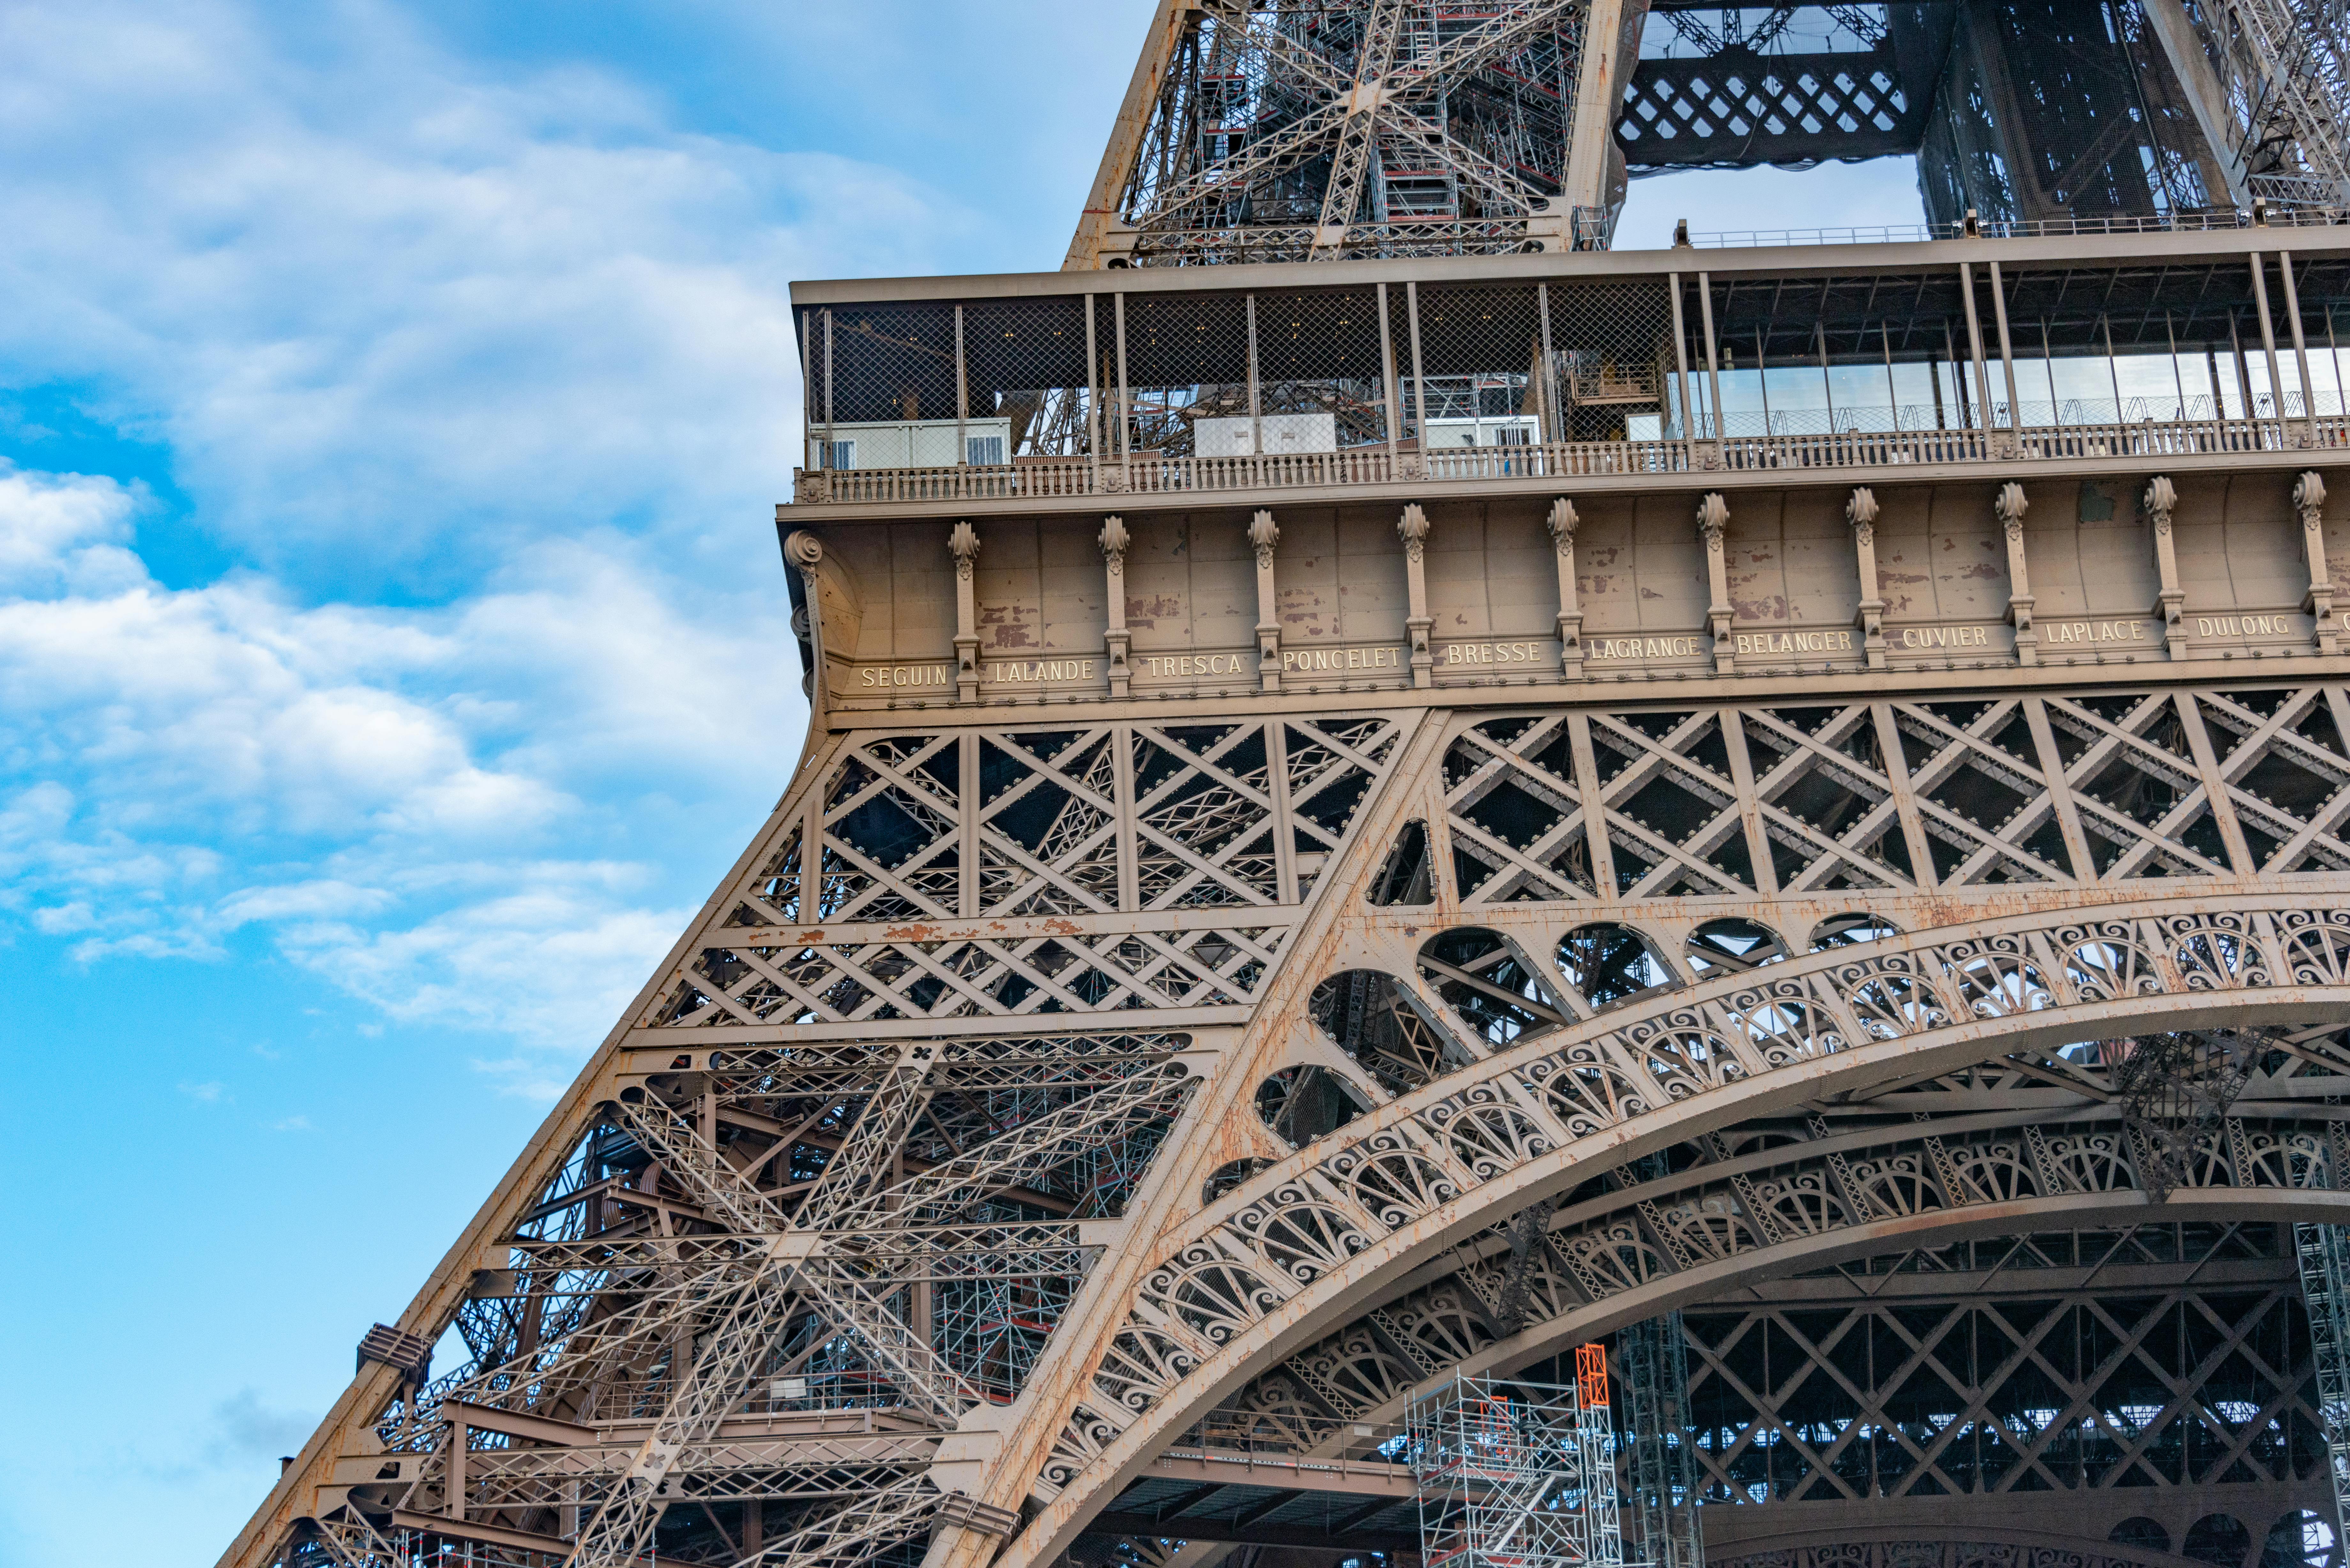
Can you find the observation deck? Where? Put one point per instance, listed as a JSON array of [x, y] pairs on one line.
[[2102, 347]]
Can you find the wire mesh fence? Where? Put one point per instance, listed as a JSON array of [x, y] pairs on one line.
[[1220, 390]]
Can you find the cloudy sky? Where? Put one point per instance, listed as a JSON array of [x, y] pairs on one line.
[[392, 638]]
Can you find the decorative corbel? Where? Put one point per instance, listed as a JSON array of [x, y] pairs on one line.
[[1868, 619], [804, 552], [2170, 603], [1570, 602], [1114, 540], [2010, 505], [1712, 518], [963, 544], [2309, 500], [1265, 533], [1412, 529]]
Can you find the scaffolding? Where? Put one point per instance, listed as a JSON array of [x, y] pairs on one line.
[[2324, 1251], [1517, 1475]]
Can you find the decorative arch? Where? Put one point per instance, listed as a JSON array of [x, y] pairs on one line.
[[1433, 1167]]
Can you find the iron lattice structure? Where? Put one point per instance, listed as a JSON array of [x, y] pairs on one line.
[[1517, 1475], [1268, 131], [2324, 1256], [1660, 1439], [1280, 131], [1324, 924]]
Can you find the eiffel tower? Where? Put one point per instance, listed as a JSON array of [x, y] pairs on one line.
[[1397, 805]]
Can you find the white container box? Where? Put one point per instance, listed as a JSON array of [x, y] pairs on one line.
[[1282, 433], [912, 444]]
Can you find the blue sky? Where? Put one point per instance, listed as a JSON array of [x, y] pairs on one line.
[[393, 647]]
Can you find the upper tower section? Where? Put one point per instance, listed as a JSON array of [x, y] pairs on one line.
[[1279, 131], [1299, 130]]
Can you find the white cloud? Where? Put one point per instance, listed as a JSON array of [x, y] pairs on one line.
[[488, 381], [392, 316], [396, 797]]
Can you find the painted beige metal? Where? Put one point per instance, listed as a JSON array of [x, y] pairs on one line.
[[1730, 607]]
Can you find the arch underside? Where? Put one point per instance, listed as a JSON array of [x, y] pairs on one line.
[[992, 1140], [1275, 1274]]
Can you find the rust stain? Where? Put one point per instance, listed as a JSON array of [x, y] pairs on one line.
[[1148, 612], [907, 933], [1010, 626]]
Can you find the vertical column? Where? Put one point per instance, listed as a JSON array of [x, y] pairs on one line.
[[1869, 618], [2309, 501], [808, 404], [1395, 393], [1713, 352], [1124, 393], [1418, 468], [1264, 535], [1094, 428], [1554, 424], [1256, 404], [2268, 341], [963, 544], [2300, 350], [2011, 506], [1712, 517], [1680, 358], [828, 387], [962, 395], [967, 806], [460, 1435], [1114, 540], [1975, 348], [2006, 355], [1129, 881], [2170, 602], [1412, 528], [1570, 602]]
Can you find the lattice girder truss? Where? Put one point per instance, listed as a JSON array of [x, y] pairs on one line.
[[1360, 128], [971, 1215]]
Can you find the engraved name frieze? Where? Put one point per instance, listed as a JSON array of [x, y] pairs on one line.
[[1497, 653], [1762, 643], [1316, 660], [2062, 632], [1193, 666], [1926, 638], [2248, 626], [1604, 648], [897, 675], [1040, 672]]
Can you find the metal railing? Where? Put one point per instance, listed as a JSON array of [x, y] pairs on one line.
[[1045, 479], [2001, 229]]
